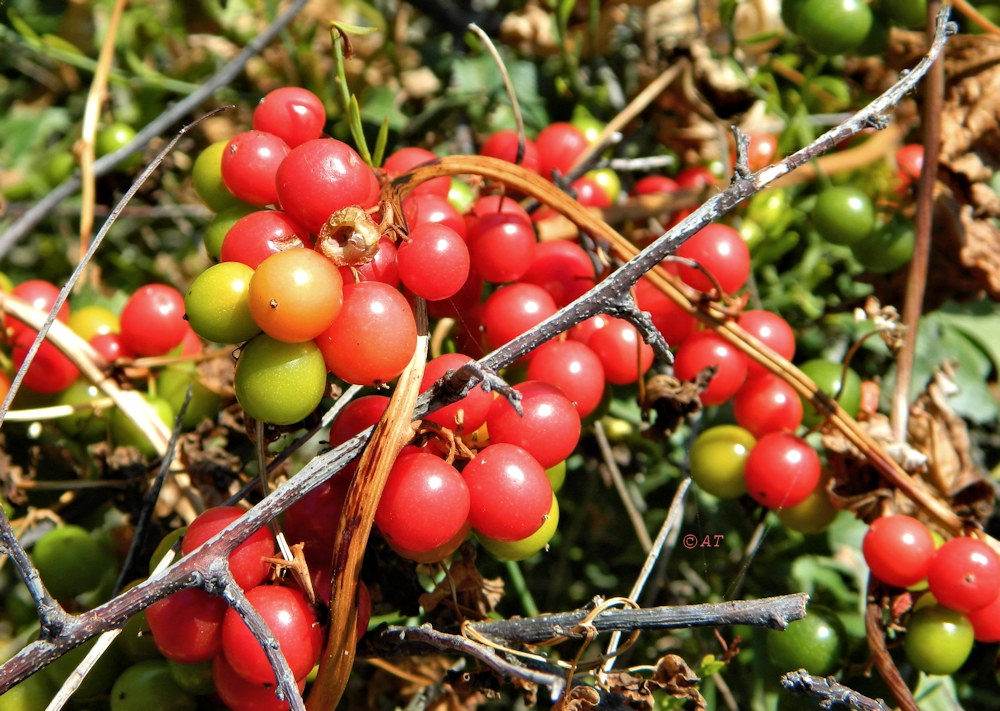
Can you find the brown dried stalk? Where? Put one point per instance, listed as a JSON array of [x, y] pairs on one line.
[[391, 434]]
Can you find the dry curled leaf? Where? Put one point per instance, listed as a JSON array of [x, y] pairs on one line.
[[673, 676], [433, 678], [672, 400], [463, 585], [580, 698], [936, 453], [970, 151], [943, 436]]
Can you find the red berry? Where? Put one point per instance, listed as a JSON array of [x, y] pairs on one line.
[[572, 367], [655, 185], [357, 416], [503, 145], [590, 193], [406, 158], [910, 162], [40, 294], [293, 114], [292, 623], [964, 574], [781, 470], [187, 626], [771, 330], [721, 252], [512, 310], [255, 237], [501, 246], [623, 353], [674, 323], [559, 145], [695, 177], [382, 267], [986, 622], [50, 371], [249, 165], [239, 694], [321, 176], [110, 346], [562, 268], [548, 428], [424, 504], [313, 519], [433, 261], [766, 403], [246, 562], [152, 321], [433, 208], [373, 338], [705, 349], [509, 492], [898, 550]]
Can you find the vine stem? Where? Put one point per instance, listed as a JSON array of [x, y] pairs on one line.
[[91, 115], [964, 7], [772, 612], [389, 436], [916, 282]]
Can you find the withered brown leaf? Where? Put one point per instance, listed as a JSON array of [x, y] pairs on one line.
[[672, 400], [672, 676], [937, 453], [475, 596], [580, 698]]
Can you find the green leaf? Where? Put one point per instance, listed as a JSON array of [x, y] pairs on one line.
[[380, 104], [937, 341], [936, 693], [727, 11], [380, 142], [813, 573], [357, 130], [709, 665], [26, 130], [57, 42], [563, 12], [349, 29], [979, 321], [476, 75], [23, 28]]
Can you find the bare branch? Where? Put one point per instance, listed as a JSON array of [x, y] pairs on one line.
[[427, 636], [772, 612], [286, 689], [51, 615], [831, 692]]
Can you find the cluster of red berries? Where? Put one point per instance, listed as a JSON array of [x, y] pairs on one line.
[[960, 581], [151, 323], [760, 455], [193, 627], [503, 488]]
